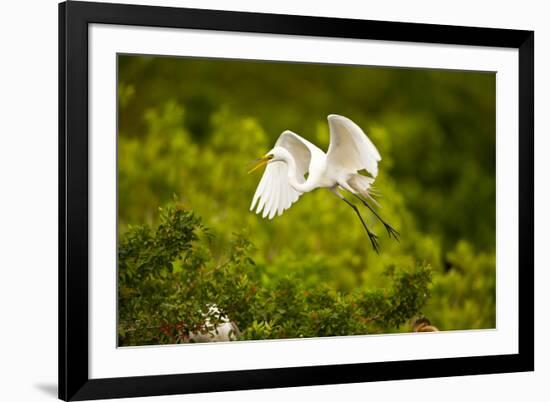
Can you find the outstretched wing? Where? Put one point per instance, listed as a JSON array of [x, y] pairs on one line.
[[350, 148], [274, 193]]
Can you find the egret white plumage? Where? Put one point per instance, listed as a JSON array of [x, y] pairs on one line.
[[350, 151], [225, 331]]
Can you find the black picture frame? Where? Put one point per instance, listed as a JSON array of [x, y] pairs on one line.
[[74, 18]]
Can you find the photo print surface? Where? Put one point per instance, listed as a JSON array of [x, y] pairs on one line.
[[272, 200]]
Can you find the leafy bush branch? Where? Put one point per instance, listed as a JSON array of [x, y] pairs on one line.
[[169, 279]]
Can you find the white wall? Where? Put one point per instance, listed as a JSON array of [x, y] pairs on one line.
[[28, 198]]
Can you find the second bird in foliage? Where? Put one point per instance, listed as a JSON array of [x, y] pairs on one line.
[[296, 166]]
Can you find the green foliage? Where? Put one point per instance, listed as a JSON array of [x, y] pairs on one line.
[[168, 280], [435, 129], [191, 127], [466, 293]]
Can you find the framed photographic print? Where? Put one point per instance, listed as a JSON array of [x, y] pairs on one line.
[[257, 200]]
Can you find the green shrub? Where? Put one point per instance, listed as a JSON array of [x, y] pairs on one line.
[[168, 280]]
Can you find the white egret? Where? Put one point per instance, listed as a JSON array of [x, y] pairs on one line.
[[293, 157], [225, 331]]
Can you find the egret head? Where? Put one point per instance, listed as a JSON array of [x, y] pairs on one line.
[[277, 154]]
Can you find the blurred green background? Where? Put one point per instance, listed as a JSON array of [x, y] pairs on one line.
[[191, 127]]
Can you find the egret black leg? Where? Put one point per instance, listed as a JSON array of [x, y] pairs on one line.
[[391, 231], [373, 238]]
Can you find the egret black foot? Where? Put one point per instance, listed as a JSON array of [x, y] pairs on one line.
[[392, 232], [374, 240]]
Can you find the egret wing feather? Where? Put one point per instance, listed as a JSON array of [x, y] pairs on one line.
[[300, 149], [350, 149], [274, 194]]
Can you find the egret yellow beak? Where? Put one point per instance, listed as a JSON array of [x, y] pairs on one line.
[[258, 163]]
